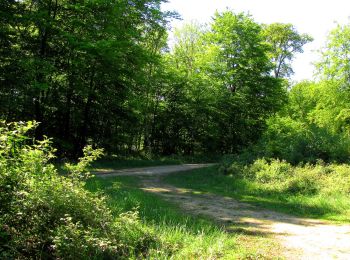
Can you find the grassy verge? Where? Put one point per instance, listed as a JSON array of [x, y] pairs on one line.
[[182, 236], [334, 208]]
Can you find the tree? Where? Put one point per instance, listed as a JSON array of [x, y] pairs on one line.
[[100, 72], [248, 94], [284, 42], [335, 56], [78, 67], [188, 46]]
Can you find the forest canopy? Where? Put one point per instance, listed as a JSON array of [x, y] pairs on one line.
[[101, 73]]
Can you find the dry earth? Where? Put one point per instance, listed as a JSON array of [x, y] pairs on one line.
[[300, 238]]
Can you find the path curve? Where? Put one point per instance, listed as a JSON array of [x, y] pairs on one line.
[[300, 237], [150, 171]]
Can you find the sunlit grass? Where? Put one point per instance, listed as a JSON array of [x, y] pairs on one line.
[[182, 236], [331, 207]]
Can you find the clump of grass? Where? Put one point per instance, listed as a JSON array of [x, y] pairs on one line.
[[181, 235]]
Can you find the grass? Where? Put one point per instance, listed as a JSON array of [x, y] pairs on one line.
[[183, 236], [335, 208]]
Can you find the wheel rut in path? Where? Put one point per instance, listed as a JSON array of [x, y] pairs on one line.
[[300, 238]]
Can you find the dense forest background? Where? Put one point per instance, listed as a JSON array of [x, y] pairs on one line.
[[102, 73]]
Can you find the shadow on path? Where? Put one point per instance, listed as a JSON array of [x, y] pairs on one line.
[[302, 238]]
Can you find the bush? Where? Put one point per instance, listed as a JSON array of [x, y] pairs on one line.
[[266, 172], [297, 141], [46, 215], [305, 180], [280, 176]]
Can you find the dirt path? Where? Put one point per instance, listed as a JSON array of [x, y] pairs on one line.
[[301, 238], [151, 171]]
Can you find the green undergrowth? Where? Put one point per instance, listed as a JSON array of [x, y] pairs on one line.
[[299, 195], [45, 215], [182, 236]]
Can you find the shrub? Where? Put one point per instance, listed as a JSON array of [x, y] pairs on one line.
[[46, 215], [305, 180], [265, 172], [297, 141], [280, 176]]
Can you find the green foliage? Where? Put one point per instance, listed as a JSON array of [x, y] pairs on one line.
[[314, 122], [45, 215], [90, 155], [317, 191], [334, 63], [312, 125], [285, 138], [219, 91], [304, 140], [284, 42], [100, 72], [247, 93], [280, 176], [80, 68]]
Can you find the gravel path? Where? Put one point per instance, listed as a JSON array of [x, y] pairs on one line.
[[301, 238]]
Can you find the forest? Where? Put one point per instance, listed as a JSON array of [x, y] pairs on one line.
[[88, 79]]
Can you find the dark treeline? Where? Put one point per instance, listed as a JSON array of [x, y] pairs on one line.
[[100, 72]]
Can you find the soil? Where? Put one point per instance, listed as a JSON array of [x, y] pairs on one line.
[[300, 238]]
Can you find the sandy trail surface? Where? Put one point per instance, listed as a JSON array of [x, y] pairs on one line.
[[300, 238]]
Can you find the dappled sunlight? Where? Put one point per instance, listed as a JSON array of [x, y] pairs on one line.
[[298, 236], [149, 171], [293, 233], [156, 190]]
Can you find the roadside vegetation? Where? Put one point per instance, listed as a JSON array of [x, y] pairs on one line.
[[300, 164], [47, 215], [182, 236], [314, 191]]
